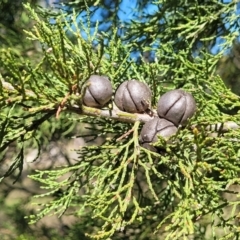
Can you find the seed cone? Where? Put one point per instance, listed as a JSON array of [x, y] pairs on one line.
[[133, 96], [154, 128], [176, 106], [99, 91]]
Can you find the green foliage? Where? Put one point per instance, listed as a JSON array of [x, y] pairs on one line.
[[117, 185]]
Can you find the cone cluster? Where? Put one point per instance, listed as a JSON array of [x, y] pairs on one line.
[[174, 108]]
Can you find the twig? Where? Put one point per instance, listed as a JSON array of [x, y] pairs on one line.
[[121, 116], [125, 135], [61, 105], [114, 114]]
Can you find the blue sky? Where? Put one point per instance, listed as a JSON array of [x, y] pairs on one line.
[[127, 12]]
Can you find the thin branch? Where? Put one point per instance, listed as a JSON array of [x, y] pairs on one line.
[[121, 116], [114, 114], [126, 134]]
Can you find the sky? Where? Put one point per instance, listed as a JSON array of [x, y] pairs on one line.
[[127, 12]]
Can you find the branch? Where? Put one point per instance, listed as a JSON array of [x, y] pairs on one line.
[[121, 116], [113, 113]]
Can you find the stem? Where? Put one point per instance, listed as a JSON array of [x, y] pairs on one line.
[[121, 116], [114, 114]]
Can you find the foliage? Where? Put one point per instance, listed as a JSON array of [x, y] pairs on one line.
[[231, 63], [117, 186]]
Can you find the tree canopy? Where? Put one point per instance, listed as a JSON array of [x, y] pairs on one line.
[[115, 186]]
